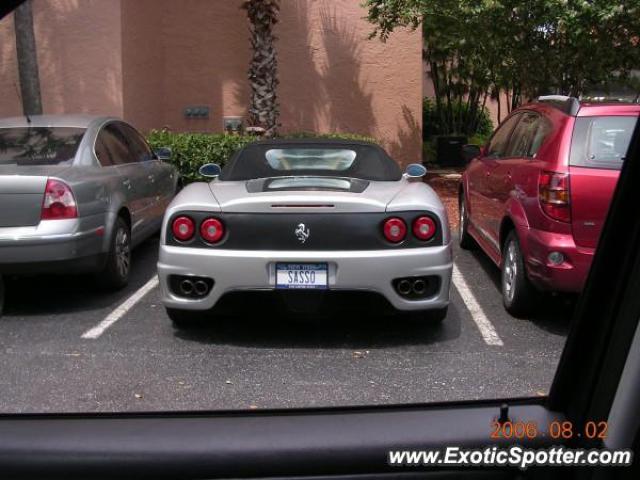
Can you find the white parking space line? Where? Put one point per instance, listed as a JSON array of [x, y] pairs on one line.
[[485, 326], [121, 311]]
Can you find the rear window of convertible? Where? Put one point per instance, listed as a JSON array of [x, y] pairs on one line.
[[367, 162]]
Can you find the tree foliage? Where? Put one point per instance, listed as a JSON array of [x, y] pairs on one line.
[[463, 120], [482, 48]]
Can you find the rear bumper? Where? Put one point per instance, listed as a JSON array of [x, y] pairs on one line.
[[369, 271], [54, 246], [570, 275]]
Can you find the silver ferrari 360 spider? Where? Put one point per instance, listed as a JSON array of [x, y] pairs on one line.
[[311, 218]]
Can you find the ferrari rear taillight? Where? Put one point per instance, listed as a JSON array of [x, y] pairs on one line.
[[58, 202], [183, 228], [553, 188], [424, 228], [211, 230], [394, 229]]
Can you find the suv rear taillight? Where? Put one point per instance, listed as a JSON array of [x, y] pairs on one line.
[[58, 202], [394, 229], [553, 192]]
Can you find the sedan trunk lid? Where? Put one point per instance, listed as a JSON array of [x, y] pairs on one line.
[[21, 194]]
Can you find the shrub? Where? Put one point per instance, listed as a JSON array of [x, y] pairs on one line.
[[336, 136], [458, 123], [192, 150]]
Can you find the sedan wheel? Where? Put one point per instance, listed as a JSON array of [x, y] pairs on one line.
[[116, 272], [518, 294], [123, 252]]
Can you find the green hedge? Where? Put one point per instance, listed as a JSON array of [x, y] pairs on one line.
[[191, 150], [433, 125]]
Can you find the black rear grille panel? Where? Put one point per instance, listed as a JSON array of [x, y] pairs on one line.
[[328, 231]]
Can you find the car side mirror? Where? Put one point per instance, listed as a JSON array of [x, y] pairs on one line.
[[211, 170], [163, 153], [471, 151], [415, 170]]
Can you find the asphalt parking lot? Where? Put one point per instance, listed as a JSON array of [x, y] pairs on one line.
[[66, 347]]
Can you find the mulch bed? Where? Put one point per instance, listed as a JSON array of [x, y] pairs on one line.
[[447, 188]]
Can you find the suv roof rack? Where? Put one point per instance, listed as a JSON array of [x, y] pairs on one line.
[[569, 105]]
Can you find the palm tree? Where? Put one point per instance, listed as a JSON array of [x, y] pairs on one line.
[[263, 70], [27, 60]]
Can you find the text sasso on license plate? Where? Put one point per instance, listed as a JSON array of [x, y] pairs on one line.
[[301, 275]]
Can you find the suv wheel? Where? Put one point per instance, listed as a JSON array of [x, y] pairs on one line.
[[518, 294], [116, 272], [465, 240]]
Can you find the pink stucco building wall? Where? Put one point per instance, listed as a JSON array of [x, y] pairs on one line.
[[146, 60]]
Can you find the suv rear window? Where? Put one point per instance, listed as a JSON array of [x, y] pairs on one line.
[[25, 146], [601, 142]]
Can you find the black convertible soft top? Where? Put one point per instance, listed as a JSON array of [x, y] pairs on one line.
[[311, 157]]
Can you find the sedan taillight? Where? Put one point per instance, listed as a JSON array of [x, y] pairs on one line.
[[394, 229], [424, 228], [211, 230], [58, 202], [183, 228], [553, 192]]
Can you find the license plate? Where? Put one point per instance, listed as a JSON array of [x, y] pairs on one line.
[[301, 275]]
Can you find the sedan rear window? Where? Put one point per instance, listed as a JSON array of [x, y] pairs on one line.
[[269, 159], [26, 146], [601, 142]]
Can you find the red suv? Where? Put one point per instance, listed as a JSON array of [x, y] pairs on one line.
[[536, 196]]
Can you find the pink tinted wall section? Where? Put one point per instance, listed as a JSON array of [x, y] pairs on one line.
[[206, 46], [147, 60], [78, 48], [334, 79], [9, 83], [143, 66]]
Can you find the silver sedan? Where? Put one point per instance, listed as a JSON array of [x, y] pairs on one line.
[[78, 193]]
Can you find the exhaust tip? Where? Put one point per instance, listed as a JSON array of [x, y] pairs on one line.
[[189, 286], [186, 287], [201, 287], [419, 287], [404, 287]]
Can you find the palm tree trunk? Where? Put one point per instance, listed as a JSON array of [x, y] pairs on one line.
[[27, 60], [263, 70]]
